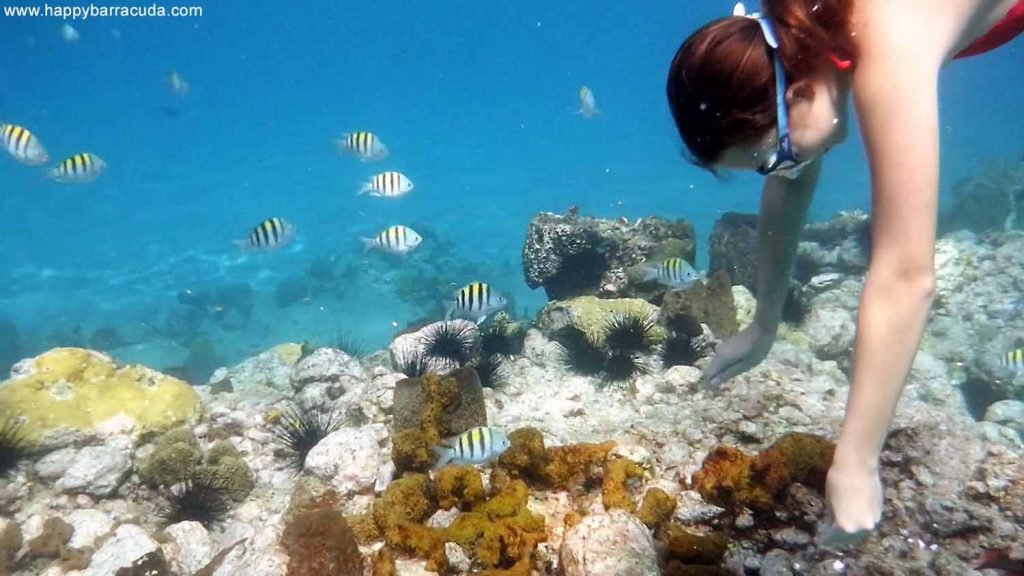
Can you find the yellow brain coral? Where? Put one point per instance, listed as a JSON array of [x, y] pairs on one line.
[[71, 389]]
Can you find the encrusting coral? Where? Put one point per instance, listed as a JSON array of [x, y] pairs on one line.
[[319, 540], [614, 489], [657, 508], [76, 389], [460, 487], [557, 467], [729, 477], [174, 459]]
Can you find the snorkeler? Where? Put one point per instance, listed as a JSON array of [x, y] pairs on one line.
[[769, 93]]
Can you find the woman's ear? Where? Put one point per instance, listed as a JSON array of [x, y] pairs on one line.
[[800, 92]]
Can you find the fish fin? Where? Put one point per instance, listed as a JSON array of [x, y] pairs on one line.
[[444, 456], [650, 273], [368, 244], [242, 245], [481, 320], [364, 187]]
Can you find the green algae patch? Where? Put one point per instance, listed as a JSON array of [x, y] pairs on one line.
[[72, 389], [592, 314]]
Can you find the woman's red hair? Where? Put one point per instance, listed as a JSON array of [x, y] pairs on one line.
[[721, 84]]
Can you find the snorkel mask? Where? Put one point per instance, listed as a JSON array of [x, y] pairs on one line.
[[783, 161]]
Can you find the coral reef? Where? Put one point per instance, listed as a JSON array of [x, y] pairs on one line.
[[990, 201], [711, 303], [71, 392], [319, 540], [731, 478], [13, 446], [174, 459], [574, 256], [199, 498]]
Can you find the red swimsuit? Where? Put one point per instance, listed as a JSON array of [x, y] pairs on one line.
[[1005, 30]]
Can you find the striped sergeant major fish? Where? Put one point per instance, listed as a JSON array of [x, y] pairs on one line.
[[477, 445], [23, 145], [475, 302], [79, 169], [363, 145], [674, 272], [387, 185], [395, 240], [1013, 360], [588, 106], [267, 235]]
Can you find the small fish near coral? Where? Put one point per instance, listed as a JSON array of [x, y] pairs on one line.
[[475, 302], [363, 145], [270, 234], [1013, 361], [395, 240], [23, 145], [673, 272], [78, 169], [477, 445]]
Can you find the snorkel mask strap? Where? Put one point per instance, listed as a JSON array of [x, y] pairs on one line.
[[780, 74]]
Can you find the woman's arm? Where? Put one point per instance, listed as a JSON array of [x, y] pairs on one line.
[[895, 91], [784, 204]]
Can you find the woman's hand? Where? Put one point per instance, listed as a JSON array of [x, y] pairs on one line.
[[737, 355], [854, 495]]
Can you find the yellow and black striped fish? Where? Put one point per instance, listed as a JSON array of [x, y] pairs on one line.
[[363, 145], [23, 145], [267, 235], [396, 240], [475, 302], [78, 169], [388, 185], [674, 272], [1013, 360], [474, 446]]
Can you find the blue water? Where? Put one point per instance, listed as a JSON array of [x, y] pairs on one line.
[[475, 102]]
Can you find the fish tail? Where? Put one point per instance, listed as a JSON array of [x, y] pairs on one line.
[[364, 188], [368, 244], [444, 456], [650, 273], [449, 309]]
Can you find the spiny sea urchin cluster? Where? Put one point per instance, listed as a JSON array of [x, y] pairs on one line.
[[451, 341], [201, 498], [298, 429], [616, 354]]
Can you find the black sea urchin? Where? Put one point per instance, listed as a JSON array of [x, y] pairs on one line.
[[298, 430], [580, 352], [630, 332], [451, 341], [503, 338], [412, 362], [201, 498], [350, 345], [13, 444], [677, 350], [623, 366], [488, 368]]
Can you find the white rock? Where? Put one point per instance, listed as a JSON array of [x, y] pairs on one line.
[[1009, 413], [128, 544], [189, 547], [683, 379], [443, 518], [384, 476], [326, 365], [349, 458], [55, 464], [118, 425], [98, 470], [457, 559], [89, 525], [606, 544], [745, 304]]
